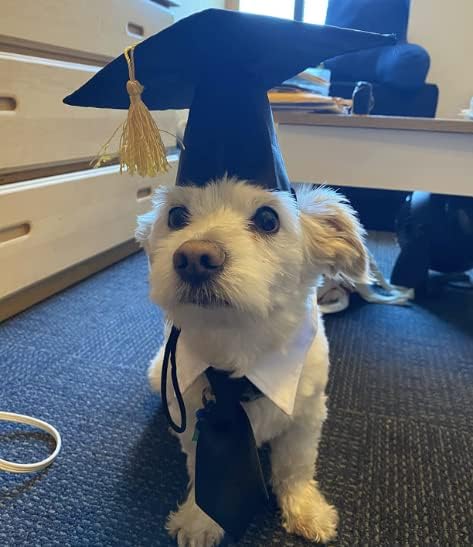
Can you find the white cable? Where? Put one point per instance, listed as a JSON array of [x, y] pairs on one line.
[[30, 467]]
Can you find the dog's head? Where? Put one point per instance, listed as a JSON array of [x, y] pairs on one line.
[[234, 248]]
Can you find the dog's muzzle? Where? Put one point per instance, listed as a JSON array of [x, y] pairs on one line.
[[198, 261]]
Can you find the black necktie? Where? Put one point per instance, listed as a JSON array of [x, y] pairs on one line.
[[229, 483]]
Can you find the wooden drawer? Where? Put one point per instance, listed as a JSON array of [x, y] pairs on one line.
[[50, 224], [36, 128], [96, 28]]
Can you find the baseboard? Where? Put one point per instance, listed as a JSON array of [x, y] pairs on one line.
[[25, 298]]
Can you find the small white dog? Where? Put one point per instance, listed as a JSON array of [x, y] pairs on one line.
[[259, 255]]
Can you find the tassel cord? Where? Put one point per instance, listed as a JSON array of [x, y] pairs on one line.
[[141, 149]]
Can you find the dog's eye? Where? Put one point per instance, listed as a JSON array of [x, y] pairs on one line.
[[178, 217], [266, 220]]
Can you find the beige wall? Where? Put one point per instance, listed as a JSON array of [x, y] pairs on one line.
[[190, 6], [445, 29]]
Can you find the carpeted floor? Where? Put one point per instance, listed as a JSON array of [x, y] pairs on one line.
[[396, 454]]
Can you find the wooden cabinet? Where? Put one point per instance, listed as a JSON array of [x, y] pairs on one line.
[[55, 211], [94, 29], [52, 223], [40, 130]]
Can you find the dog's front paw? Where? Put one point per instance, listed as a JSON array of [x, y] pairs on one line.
[[306, 513], [191, 527]]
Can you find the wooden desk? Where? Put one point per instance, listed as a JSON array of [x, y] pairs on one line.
[[378, 152]]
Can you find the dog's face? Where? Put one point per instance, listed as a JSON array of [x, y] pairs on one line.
[[234, 248]]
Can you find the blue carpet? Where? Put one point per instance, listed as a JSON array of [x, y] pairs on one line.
[[396, 453]]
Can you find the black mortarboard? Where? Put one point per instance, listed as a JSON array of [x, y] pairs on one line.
[[221, 64]]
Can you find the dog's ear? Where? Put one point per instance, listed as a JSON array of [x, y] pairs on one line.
[[334, 238], [146, 222], [143, 230]]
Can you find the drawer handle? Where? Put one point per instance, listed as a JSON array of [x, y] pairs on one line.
[[14, 232], [7, 104], [167, 3], [143, 193], [135, 30]]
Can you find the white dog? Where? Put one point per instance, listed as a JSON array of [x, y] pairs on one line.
[[264, 254]]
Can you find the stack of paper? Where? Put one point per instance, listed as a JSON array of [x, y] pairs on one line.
[[313, 80], [311, 102], [307, 91]]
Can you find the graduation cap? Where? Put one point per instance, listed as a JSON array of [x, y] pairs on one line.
[[220, 65]]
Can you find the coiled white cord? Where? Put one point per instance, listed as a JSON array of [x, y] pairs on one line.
[[30, 467]]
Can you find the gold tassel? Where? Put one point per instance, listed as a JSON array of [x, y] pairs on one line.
[[141, 148]]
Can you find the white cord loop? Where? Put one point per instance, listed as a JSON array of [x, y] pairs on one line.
[[30, 467]]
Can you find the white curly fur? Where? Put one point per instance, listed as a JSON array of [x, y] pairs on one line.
[[267, 280]]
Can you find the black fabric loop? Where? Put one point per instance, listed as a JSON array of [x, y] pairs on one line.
[[170, 352]]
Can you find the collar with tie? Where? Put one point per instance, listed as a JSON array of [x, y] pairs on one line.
[[229, 484]]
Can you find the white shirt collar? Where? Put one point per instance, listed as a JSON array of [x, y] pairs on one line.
[[276, 375]]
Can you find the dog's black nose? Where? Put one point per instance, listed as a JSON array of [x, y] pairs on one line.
[[197, 260]]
